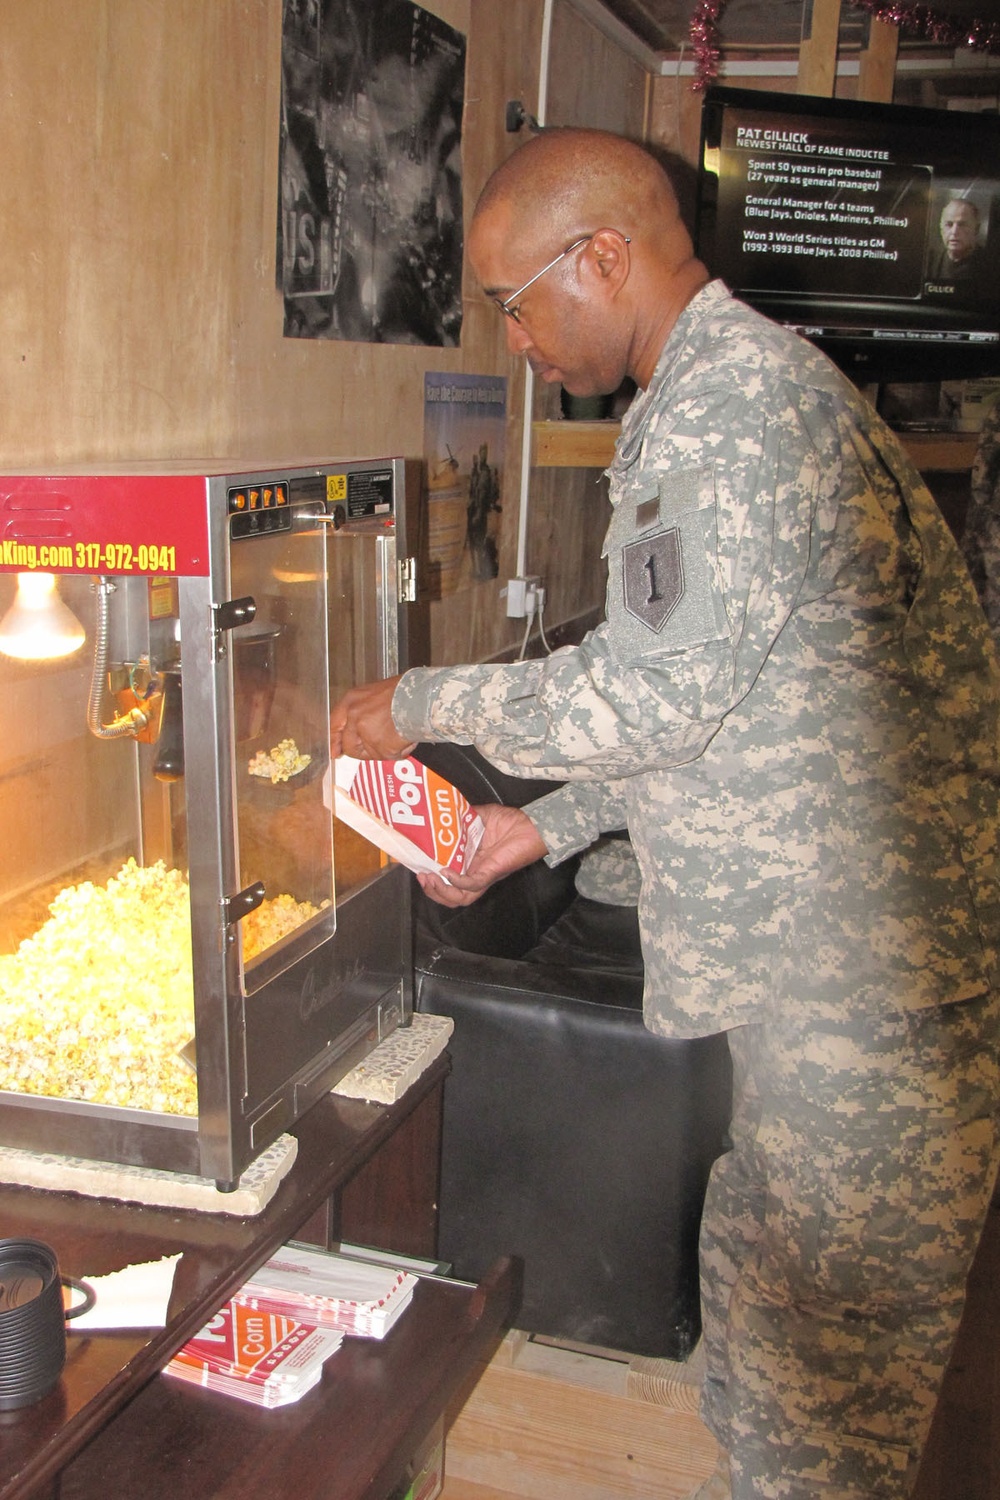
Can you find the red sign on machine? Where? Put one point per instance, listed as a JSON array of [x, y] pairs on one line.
[[118, 524]]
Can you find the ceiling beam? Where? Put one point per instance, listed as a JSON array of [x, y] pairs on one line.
[[877, 72], [818, 47], [616, 31]]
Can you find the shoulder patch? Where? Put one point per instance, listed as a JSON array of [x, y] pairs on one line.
[[662, 550], [653, 577]]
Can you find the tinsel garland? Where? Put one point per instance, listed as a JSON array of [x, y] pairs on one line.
[[923, 20], [706, 42], [947, 31]]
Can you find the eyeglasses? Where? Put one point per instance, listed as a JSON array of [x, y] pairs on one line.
[[509, 305]]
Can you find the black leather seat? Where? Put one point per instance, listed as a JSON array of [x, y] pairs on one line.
[[573, 1138]]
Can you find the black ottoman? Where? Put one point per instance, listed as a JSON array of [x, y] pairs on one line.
[[573, 1138]]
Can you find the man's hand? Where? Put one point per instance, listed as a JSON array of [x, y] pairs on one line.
[[361, 724], [510, 842]]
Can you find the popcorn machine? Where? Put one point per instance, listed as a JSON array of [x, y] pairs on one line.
[[191, 949]]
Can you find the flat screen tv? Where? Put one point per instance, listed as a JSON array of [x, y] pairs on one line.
[[871, 229]]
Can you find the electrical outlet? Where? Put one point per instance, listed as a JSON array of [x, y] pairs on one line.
[[522, 596]]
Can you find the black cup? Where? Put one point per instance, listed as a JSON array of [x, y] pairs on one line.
[[32, 1321]]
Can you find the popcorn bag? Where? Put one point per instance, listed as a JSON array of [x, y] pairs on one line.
[[409, 811]]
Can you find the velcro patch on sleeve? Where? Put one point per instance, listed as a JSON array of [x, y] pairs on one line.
[[663, 578]]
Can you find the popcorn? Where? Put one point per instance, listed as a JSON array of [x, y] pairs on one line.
[[96, 1004], [272, 921], [283, 761]]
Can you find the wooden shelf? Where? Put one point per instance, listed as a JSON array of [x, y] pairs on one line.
[[950, 451], [591, 445], [574, 445], [351, 1436], [384, 1395]]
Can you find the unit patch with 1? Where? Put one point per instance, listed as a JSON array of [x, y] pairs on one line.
[[663, 568]]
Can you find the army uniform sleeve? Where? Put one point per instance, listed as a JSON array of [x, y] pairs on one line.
[[574, 715], [572, 818], [981, 537], [707, 554]]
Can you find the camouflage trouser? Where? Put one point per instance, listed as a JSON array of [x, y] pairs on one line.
[[836, 1241]]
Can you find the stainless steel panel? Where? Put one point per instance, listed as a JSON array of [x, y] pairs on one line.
[[273, 1028]]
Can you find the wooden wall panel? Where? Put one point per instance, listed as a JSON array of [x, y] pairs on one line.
[[504, 50], [137, 291], [591, 81], [122, 254], [675, 118], [594, 84]]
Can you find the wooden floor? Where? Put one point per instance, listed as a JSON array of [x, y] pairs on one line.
[[549, 1423], [552, 1424]]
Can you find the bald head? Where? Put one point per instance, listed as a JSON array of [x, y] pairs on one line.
[[572, 181], [636, 270]]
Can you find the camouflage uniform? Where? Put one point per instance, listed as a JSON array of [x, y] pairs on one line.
[[981, 536], [793, 708], [608, 872]]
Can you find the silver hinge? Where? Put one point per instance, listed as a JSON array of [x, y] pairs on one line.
[[244, 902], [408, 580], [229, 616]]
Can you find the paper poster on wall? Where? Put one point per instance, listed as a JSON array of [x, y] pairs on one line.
[[464, 423], [369, 242]]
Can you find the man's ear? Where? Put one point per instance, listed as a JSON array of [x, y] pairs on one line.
[[610, 250]]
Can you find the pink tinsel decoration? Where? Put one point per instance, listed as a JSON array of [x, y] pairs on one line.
[[936, 25], [705, 41], [924, 20]]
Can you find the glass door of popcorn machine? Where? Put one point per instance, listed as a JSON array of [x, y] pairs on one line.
[[337, 609], [184, 966]]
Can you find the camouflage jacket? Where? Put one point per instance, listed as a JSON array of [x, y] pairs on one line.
[[792, 705], [981, 536]]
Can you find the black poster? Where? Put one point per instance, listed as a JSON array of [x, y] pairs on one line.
[[370, 173]]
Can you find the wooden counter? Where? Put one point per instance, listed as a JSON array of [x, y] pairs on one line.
[[366, 1167]]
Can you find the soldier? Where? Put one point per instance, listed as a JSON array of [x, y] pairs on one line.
[[793, 708], [981, 533]]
